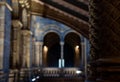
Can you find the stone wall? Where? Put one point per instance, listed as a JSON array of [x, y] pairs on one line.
[[7, 37]]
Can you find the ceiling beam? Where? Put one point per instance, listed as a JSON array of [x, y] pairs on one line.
[[49, 11]]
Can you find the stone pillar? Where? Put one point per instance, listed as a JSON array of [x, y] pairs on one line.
[[5, 31], [62, 53], [2, 25], [33, 51], [16, 29], [85, 56], [26, 36], [82, 52], [38, 54], [41, 54], [105, 41]]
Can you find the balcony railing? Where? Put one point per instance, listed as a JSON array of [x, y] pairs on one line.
[[25, 75], [60, 72]]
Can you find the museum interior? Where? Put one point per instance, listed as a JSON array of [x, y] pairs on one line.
[[59, 40]]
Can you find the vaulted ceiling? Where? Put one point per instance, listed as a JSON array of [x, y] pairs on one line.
[[73, 13]]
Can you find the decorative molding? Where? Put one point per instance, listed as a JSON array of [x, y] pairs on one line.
[[26, 32], [7, 5], [25, 3], [61, 43], [17, 23]]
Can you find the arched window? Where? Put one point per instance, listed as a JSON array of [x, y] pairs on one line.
[[51, 50], [72, 50]]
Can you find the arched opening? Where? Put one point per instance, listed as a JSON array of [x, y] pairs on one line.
[[51, 50], [72, 50]]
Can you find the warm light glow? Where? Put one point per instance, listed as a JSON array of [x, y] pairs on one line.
[[78, 72], [45, 48], [24, 3], [77, 46], [27, 4], [77, 49], [21, 1]]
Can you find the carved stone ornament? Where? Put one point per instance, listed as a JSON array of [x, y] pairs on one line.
[[16, 23], [24, 17]]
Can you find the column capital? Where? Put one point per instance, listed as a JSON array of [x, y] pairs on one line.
[[38, 43], [82, 43], [26, 32], [33, 38], [16, 24], [61, 43]]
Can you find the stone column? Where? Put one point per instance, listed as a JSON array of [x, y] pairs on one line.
[[26, 34], [2, 25], [62, 52], [85, 56], [41, 54], [82, 53], [16, 28], [33, 51], [5, 31], [38, 54]]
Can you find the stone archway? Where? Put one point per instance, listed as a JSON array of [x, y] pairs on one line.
[[72, 50], [51, 49]]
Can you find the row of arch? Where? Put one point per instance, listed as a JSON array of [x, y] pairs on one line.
[[52, 38], [61, 35], [72, 52], [55, 29]]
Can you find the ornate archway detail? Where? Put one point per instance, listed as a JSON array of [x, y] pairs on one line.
[[70, 31], [48, 31]]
